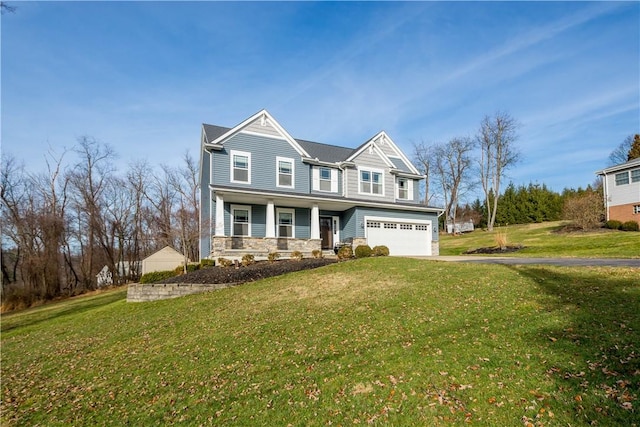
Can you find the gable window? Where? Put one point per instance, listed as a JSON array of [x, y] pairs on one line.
[[622, 178], [286, 222], [636, 209], [403, 188], [285, 172], [240, 167], [371, 182], [241, 219], [325, 179], [635, 175]]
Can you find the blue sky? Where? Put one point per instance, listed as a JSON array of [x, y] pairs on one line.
[[143, 76]]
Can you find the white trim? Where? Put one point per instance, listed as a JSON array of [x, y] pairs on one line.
[[262, 115], [345, 201], [293, 172], [395, 219], [232, 209], [315, 221], [373, 148], [270, 230], [293, 221], [371, 171], [219, 224], [247, 154], [409, 188], [336, 229]]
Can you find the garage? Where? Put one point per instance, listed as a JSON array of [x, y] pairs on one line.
[[402, 237]]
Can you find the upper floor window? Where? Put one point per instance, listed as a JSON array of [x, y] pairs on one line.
[[403, 188], [241, 218], [371, 182], [622, 178], [325, 179], [286, 222], [241, 167], [635, 175], [285, 172]]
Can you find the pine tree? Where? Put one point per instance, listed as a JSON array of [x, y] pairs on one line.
[[634, 151]]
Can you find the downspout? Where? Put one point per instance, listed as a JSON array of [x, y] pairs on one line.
[[606, 197]]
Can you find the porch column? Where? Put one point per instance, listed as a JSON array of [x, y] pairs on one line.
[[271, 220], [315, 222], [219, 230]]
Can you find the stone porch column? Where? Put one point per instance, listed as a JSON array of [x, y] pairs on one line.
[[219, 229], [315, 222], [271, 220]]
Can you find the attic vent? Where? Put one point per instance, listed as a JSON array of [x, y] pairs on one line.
[[263, 120]]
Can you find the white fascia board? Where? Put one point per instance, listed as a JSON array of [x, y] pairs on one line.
[[319, 199], [262, 113], [317, 162], [375, 148], [401, 173], [399, 152], [628, 165]]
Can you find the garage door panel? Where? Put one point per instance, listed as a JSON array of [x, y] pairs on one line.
[[400, 236]]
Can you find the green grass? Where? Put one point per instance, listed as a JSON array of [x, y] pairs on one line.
[[383, 341], [543, 240]]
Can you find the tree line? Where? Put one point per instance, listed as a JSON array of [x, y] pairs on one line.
[[61, 226]]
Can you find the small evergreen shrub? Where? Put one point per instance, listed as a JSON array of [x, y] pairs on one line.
[[630, 226], [317, 253], [380, 250], [363, 251], [156, 276], [273, 256], [204, 263], [248, 259], [296, 255], [345, 252], [223, 262], [613, 224]]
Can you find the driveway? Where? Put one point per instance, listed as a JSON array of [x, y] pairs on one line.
[[566, 262]]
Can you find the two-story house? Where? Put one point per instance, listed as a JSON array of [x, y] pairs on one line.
[[264, 191], [621, 184]]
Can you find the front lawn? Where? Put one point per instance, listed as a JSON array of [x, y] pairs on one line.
[[381, 340]]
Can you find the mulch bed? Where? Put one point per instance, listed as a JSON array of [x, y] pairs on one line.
[[495, 250], [250, 273]]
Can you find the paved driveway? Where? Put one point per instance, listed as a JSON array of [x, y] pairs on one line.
[[568, 262]]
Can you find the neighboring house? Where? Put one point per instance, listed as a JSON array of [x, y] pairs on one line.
[[264, 191], [621, 185], [165, 259]]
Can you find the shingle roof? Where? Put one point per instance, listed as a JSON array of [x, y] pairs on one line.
[[324, 152], [400, 164]]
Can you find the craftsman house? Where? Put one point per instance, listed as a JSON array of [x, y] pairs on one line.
[[621, 184], [263, 191]]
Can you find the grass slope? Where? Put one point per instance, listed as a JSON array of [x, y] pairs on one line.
[[543, 240], [396, 341]]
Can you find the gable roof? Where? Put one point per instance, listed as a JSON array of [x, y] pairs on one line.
[[216, 135], [628, 165]]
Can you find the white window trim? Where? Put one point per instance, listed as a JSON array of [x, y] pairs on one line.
[[333, 179], [233, 219], [409, 188], [293, 172], [631, 177], [371, 170], [233, 153], [615, 178], [293, 222]]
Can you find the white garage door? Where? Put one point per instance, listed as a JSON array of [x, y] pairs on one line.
[[402, 237]]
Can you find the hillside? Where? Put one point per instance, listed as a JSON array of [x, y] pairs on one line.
[[381, 340]]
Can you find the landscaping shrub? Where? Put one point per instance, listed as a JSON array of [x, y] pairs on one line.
[[273, 256], [630, 226], [317, 253], [296, 255], [156, 276], [248, 259], [204, 263], [613, 224], [363, 251], [223, 262], [380, 250], [345, 252]]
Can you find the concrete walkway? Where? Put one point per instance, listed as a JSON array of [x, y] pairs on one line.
[[567, 262]]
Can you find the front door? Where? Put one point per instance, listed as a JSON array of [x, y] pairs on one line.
[[326, 232]]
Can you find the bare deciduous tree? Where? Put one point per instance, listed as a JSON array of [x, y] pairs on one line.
[[423, 157], [496, 139]]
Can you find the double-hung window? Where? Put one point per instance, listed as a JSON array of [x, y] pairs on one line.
[[286, 222], [403, 188], [285, 172], [622, 178], [241, 220], [371, 182], [325, 179], [635, 175], [240, 167]]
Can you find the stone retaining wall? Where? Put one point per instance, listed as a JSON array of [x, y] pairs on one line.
[[156, 291]]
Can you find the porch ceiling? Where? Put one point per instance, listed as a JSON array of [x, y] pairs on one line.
[[284, 200]]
